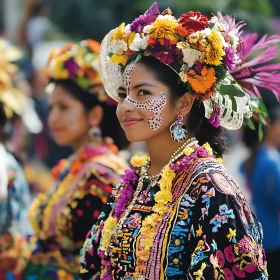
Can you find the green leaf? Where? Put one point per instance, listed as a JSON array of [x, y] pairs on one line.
[[262, 119], [251, 124], [233, 89], [260, 131], [138, 57], [234, 105]]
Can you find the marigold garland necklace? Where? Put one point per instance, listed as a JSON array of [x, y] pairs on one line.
[[153, 180]]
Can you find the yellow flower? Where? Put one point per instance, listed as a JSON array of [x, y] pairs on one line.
[[199, 273], [183, 76], [160, 209], [151, 220], [164, 27], [232, 234], [138, 161], [130, 38], [109, 225], [214, 50], [208, 148], [119, 58], [220, 160], [163, 197], [168, 173], [118, 34], [199, 231], [188, 151]]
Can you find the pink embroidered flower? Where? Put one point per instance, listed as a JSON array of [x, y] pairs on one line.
[[250, 268], [229, 254], [221, 258], [228, 274], [237, 271]]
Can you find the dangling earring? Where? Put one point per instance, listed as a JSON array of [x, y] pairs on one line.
[[178, 130], [95, 135]]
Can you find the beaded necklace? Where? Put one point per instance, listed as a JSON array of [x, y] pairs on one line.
[[113, 227]]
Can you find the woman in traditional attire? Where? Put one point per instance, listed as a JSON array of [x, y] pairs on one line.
[[81, 116], [14, 192], [177, 213]]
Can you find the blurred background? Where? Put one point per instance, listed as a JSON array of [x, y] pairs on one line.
[[36, 26]]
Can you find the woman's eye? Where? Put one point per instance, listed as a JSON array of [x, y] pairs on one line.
[[143, 92], [121, 95]]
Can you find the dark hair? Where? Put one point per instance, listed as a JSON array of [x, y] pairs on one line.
[[109, 125], [197, 124]]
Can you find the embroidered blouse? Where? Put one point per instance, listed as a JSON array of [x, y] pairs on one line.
[[14, 224], [62, 217], [208, 232]]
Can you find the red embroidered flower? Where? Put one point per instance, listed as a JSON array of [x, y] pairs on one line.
[[228, 274], [194, 21], [221, 258], [238, 271], [229, 254]]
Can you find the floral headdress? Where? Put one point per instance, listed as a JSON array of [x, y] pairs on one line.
[[12, 99], [78, 62], [208, 55]]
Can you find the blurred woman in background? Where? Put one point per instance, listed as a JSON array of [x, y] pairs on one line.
[[262, 171], [83, 117], [14, 193]]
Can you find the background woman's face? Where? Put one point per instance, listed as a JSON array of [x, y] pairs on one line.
[[144, 110], [67, 118]]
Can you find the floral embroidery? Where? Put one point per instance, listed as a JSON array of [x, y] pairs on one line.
[[222, 217]]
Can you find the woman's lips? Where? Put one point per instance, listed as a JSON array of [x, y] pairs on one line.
[[131, 121]]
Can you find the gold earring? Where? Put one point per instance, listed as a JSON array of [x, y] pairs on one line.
[[95, 135]]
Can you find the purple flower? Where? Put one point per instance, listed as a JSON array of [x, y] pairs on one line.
[[149, 16], [71, 67], [201, 152], [129, 177], [215, 118], [165, 53], [229, 59], [125, 197]]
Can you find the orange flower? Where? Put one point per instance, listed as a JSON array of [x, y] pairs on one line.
[[181, 30], [66, 48], [76, 166], [202, 83], [151, 42], [94, 45]]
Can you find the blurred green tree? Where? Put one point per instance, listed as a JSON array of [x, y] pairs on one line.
[[94, 18]]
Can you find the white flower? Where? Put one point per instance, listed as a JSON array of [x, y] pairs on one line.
[[220, 26], [139, 43], [118, 45], [205, 32], [234, 40], [214, 19], [191, 56], [225, 44], [147, 29], [164, 17], [127, 29]]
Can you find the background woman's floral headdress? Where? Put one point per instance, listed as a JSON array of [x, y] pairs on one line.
[[208, 55], [78, 62]]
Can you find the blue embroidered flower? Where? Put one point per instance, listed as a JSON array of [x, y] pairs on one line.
[[222, 217]]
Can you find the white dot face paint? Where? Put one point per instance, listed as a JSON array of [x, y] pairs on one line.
[[154, 106]]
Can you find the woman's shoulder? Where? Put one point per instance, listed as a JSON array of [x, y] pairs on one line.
[[208, 172]]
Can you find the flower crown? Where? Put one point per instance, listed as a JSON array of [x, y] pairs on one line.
[[207, 54], [78, 62]]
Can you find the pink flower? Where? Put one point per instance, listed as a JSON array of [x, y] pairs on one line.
[[250, 268], [221, 258], [229, 254], [237, 271], [228, 274]]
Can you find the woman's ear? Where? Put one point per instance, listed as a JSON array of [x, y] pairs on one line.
[[185, 103], [95, 116]]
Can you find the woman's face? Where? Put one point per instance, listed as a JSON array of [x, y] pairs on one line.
[[144, 110], [67, 118]]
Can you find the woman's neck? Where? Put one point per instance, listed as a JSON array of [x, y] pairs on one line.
[[160, 150]]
